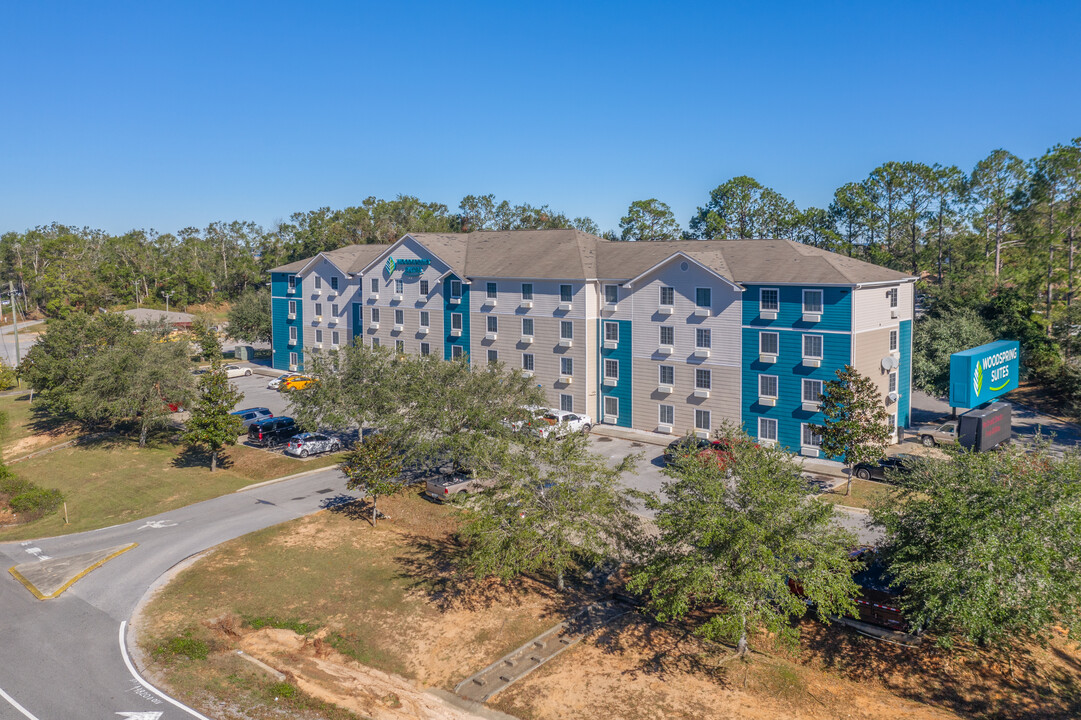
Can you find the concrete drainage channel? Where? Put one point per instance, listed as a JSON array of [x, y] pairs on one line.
[[516, 665]]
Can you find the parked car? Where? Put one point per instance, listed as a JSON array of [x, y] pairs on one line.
[[687, 444], [931, 435], [901, 462], [297, 382], [233, 371], [306, 444], [529, 411], [560, 424], [272, 431], [276, 383], [252, 415]]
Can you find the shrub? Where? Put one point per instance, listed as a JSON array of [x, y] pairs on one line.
[[183, 646], [36, 501], [282, 689]]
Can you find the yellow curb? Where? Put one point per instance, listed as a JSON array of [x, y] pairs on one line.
[[37, 593]]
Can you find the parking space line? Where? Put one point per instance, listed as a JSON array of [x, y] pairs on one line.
[[17, 706]]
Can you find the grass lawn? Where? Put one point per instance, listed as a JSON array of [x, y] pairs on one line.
[[865, 493], [27, 430], [114, 481]]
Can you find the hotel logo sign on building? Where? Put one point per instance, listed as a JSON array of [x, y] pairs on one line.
[[408, 266], [983, 373]]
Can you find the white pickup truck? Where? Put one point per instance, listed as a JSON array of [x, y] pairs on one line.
[[560, 424]]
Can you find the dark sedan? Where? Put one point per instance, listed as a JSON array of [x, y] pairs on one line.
[[877, 471], [687, 445]]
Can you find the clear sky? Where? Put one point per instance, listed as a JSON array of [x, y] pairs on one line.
[[168, 114]]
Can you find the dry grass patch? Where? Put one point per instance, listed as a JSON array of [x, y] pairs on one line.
[[865, 493]]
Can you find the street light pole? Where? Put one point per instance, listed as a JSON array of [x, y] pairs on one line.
[[167, 295], [14, 321], [136, 283]]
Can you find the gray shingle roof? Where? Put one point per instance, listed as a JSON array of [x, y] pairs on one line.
[[350, 259]]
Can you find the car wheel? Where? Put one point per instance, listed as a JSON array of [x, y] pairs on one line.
[[863, 474], [303, 453], [247, 372], [927, 441], [335, 447], [586, 428]]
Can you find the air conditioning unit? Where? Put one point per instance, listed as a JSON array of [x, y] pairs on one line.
[[422, 331], [767, 401], [701, 312], [527, 373], [317, 291], [701, 353], [292, 341], [700, 393], [665, 350], [373, 296], [812, 362], [291, 291], [665, 389], [399, 328], [490, 336], [768, 314], [611, 419], [456, 333], [292, 368], [610, 381], [526, 339], [373, 326], [453, 300], [666, 429], [611, 344], [490, 302], [332, 321], [810, 407], [768, 358], [812, 317], [526, 304], [704, 434], [893, 312], [566, 379], [291, 316], [397, 297], [610, 308], [665, 310], [565, 306], [317, 319], [808, 451], [566, 342]]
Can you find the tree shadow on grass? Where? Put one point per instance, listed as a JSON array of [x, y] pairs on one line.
[[348, 506], [190, 457]]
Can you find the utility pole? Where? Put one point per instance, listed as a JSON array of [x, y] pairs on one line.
[[14, 321], [136, 293], [167, 295]]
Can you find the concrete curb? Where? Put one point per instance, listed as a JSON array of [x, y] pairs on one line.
[[304, 473]]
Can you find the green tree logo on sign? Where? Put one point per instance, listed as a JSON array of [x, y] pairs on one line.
[[977, 379]]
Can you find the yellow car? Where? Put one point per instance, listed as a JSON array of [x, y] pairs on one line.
[[297, 382]]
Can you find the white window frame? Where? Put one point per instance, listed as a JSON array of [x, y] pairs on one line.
[[425, 319], [334, 310], [568, 296], [762, 301], [671, 329], [456, 321], [425, 349], [566, 366], [614, 289], [399, 346], [375, 342], [458, 284], [666, 414], [776, 382], [671, 371], [527, 291], [807, 383], [527, 327], [821, 301], [374, 285], [611, 369], [293, 335], [892, 295], [375, 315], [701, 374], [808, 437], [318, 335], [777, 338], [612, 399], [773, 429], [425, 288], [894, 340], [611, 332], [528, 362], [294, 359], [399, 317], [821, 346], [698, 414], [456, 351], [292, 307], [893, 382], [708, 290], [566, 402], [292, 280], [399, 286], [698, 333], [491, 323], [563, 329], [319, 309], [493, 356], [671, 291], [333, 282], [318, 282]]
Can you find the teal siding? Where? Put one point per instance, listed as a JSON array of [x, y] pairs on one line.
[[904, 375], [836, 308], [280, 322], [622, 354], [448, 308], [358, 321]]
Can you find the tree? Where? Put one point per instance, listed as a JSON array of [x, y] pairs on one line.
[[211, 424], [373, 466], [730, 545], [649, 221], [994, 186], [855, 429], [249, 317], [935, 338], [743, 208], [985, 545], [206, 338]]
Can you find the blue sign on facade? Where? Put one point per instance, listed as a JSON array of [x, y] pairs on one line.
[[984, 373]]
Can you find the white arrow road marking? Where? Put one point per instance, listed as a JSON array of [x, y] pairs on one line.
[[17, 706], [140, 715], [156, 524], [36, 552], [144, 683]]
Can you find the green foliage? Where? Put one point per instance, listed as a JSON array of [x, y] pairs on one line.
[[249, 317], [856, 428], [743, 208], [938, 336], [986, 545], [730, 541], [373, 466], [185, 645], [36, 501], [259, 622], [281, 689], [649, 221], [211, 425], [8, 377], [206, 338]]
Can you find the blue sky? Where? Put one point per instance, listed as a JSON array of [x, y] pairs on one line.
[[169, 114]]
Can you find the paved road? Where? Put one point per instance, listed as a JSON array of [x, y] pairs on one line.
[[62, 658]]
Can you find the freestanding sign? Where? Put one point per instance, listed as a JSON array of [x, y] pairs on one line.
[[983, 373]]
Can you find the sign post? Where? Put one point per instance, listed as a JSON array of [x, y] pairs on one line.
[[980, 375]]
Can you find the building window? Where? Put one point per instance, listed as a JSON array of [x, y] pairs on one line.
[[334, 337], [668, 374], [334, 282], [701, 420], [425, 349], [527, 291], [493, 323], [375, 315], [399, 317], [812, 301], [319, 310], [767, 386], [611, 294], [611, 369], [527, 327], [702, 338], [292, 358], [456, 289], [565, 293], [566, 330], [668, 335], [293, 286], [767, 429], [812, 346], [318, 282], [611, 406], [493, 356], [769, 299], [456, 352], [374, 285], [491, 290], [703, 297], [893, 340], [611, 331], [375, 342], [892, 295], [334, 310], [293, 334], [423, 287], [399, 286], [455, 321], [399, 346], [893, 382], [666, 414], [812, 391], [810, 437], [319, 336], [566, 402], [768, 343], [703, 379], [527, 361], [424, 317], [668, 296], [566, 366], [292, 307]]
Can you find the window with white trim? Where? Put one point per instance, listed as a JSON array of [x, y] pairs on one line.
[[399, 317], [767, 429], [293, 334], [319, 309], [702, 338], [425, 349], [293, 358], [891, 294], [333, 282], [456, 289], [375, 315], [456, 352], [566, 366], [424, 318], [493, 323], [374, 285], [667, 374], [318, 282], [566, 293], [611, 405], [702, 420], [812, 390], [399, 286], [566, 402], [455, 321], [703, 379], [424, 288], [293, 286], [527, 291], [812, 301], [493, 356], [292, 307], [334, 312], [611, 369], [399, 346], [491, 290], [767, 386], [611, 331], [527, 361], [893, 340], [611, 294], [666, 414], [668, 335], [566, 330], [318, 336], [375, 342], [810, 437], [527, 327], [812, 346], [769, 299], [703, 297], [893, 382], [668, 296], [768, 343]]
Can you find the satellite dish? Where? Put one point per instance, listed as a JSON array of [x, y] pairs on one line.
[[889, 362], [893, 396]]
